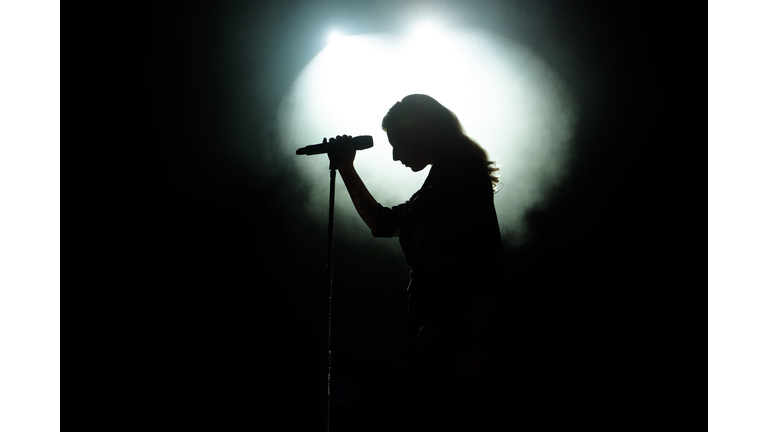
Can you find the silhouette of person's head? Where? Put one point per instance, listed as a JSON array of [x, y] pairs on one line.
[[422, 131], [417, 128]]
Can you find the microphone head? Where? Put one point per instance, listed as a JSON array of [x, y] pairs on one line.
[[362, 142]]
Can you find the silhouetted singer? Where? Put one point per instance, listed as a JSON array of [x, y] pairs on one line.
[[449, 233]]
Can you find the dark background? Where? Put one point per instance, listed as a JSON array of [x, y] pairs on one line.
[[228, 281]]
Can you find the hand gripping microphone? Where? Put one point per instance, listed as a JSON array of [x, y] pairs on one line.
[[361, 142]]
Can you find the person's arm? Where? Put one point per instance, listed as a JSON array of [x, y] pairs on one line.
[[366, 205], [343, 160]]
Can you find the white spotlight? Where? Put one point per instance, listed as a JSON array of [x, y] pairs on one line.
[[426, 31], [334, 36]]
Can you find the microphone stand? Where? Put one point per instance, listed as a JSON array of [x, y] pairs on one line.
[[357, 143], [329, 285]]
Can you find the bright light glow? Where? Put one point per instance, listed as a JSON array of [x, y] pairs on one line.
[[426, 32], [506, 98], [334, 36]]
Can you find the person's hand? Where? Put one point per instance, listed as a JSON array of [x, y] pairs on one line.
[[340, 158], [467, 363], [469, 356]]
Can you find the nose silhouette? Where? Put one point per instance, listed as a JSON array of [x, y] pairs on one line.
[[395, 155]]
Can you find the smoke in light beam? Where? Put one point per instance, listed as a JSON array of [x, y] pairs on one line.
[[507, 99]]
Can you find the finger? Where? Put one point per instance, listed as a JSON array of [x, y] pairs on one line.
[[325, 140]]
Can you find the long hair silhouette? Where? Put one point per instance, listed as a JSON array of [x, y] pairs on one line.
[[418, 112]]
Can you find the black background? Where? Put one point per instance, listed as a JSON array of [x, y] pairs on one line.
[[226, 282]]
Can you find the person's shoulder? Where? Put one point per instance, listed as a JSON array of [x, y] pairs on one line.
[[462, 174], [461, 165], [469, 170]]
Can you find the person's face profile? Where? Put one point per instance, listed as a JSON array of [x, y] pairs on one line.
[[406, 148]]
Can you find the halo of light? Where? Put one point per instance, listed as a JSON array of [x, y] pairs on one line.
[[507, 99], [425, 32], [334, 36]]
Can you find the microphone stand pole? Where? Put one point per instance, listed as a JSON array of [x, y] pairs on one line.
[[329, 285], [357, 143]]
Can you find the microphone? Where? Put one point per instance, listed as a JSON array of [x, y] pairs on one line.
[[361, 142]]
